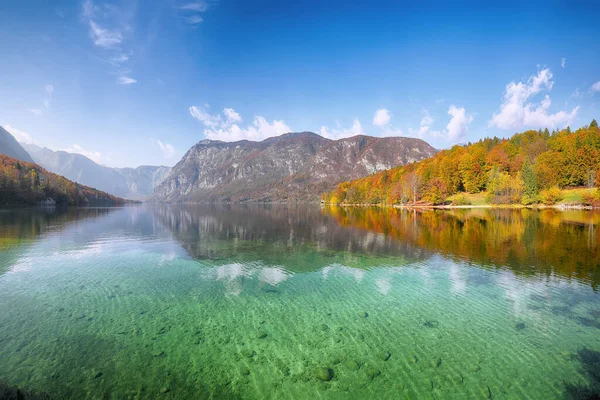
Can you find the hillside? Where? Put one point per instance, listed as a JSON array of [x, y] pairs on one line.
[[131, 183], [290, 167], [11, 148], [27, 183], [528, 168]]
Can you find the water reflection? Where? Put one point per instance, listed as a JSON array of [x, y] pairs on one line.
[[531, 243]]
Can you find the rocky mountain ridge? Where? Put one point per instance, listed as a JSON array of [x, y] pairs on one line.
[[290, 167]]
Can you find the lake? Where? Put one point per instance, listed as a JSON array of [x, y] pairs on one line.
[[300, 302]]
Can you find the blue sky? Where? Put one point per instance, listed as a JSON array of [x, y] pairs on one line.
[[139, 82]]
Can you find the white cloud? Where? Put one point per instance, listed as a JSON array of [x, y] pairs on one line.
[[424, 126], [49, 88], [199, 6], [105, 38], [20, 136], [36, 111], [195, 20], [232, 116], [119, 58], [259, 130], [563, 62], [92, 155], [458, 124], [202, 115], [227, 129], [595, 87], [167, 149], [382, 117], [125, 80], [192, 11], [88, 9], [339, 133], [517, 112]]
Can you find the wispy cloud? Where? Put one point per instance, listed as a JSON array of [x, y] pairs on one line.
[[595, 87], [20, 136], [167, 150], [92, 155], [339, 133], [192, 11], [517, 111], [563, 62], [107, 27], [226, 127], [105, 38], [36, 111], [125, 80], [424, 125]]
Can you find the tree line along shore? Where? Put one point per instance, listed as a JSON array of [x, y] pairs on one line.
[[531, 169]]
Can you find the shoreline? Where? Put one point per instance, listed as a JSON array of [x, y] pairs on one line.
[[561, 207]]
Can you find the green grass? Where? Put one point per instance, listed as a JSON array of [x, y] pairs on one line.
[[476, 199], [573, 195], [569, 196]]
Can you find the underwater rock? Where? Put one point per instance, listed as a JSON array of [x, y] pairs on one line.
[[364, 314], [486, 392], [163, 330], [244, 370], [431, 324], [384, 355], [324, 374], [248, 353], [158, 353], [98, 375], [520, 326], [436, 362], [372, 373], [413, 359], [261, 335], [164, 389], [352, 365], [324, 327], [475, 368]]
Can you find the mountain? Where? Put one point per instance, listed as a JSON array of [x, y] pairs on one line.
[[22, 183], [131, 183], [10, 147], [290, 167]]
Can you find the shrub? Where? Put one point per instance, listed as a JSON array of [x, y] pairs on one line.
[[591, 198], [551, 196], [528, 200], [461, 200]]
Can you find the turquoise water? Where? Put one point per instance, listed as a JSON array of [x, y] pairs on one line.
[[186, 302]]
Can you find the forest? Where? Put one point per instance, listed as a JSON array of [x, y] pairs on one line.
[[530, 168], [23, 183]]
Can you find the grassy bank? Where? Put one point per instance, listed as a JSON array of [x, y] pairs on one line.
[[570, 198]]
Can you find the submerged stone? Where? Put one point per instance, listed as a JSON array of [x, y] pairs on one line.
[[248, 353], [261, 335], [324, 374], [372, 373], [364, 314], [244, 370], [324, 327], [352, 365], [520, 326], [384, 355], [164, 389], [431, 324]]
